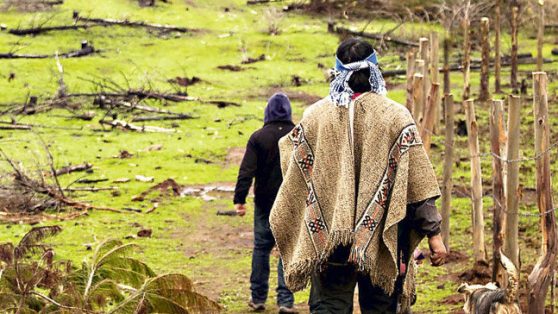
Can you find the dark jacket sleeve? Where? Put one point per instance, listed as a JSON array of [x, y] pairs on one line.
[[424, 217], [246, 173]]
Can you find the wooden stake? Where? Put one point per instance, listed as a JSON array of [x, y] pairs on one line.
[[447, 185], [514, 30], [553, 293], [425, 56], [466, 58], [484, 93], [541, 276], [417, 94], [410, 73], [540, 36], [479, 249], [497, 131], [511, 248], [497, 57], [434, 57], [447, 81], [418, 103], [434, 73], [427, 126]]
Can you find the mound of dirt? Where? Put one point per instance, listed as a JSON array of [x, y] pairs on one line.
[[480, 274], [456, 257]]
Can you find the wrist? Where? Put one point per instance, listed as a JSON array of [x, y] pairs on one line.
[[434, 235]]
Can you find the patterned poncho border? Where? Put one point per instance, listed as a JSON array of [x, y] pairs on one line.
[[366, 225]]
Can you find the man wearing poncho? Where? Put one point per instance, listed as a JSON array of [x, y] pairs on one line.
[[357, 195]]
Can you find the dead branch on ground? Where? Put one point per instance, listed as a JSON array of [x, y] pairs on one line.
[[128, 23], [75, 168], [89, 50], [162, 118], [120, 124], [87, 22], [24, 194]]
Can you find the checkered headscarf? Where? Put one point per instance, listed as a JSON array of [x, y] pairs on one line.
[[339, 90]]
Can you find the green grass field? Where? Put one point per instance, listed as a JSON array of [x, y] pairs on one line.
[[188, 237]]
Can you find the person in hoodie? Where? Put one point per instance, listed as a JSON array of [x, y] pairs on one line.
[[261, 161]]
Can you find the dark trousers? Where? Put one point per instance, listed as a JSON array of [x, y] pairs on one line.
[[259, 279], [333, 290]]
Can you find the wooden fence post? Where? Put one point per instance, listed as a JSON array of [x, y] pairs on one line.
[[434, 57], [484, 93], [540, 36], [447, 81], [410, 73], [425, 56], [479, 249], [497, 131], [497, 57], [514, 48], [511, 248], [418, 81], [542, 273], [466, 58], [427, 126], [418, 104], [447, 185], [434, 73]]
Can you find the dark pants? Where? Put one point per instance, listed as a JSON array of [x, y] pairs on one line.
[[259, 280], [333, 290]]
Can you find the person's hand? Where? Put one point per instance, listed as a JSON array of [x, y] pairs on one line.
[[438, 250], [240, 209]]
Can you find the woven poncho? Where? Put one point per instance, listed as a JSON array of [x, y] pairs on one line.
[[348, 190]]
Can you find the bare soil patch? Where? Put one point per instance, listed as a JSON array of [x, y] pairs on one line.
[[222, 242], [234, 156]]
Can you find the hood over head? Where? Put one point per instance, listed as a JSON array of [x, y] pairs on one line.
[[278, 108]]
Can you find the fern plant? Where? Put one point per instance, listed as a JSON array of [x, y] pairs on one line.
[[110, 281], [26, 267]]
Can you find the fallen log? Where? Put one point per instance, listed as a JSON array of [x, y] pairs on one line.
[[128, 23], [95, 22], [120, 124], [89, 50], [139, 94], [76, 168], [15, 127], [46, 29], [91, 189], [376, 36], [253, 2], [162, 118], [151, 95], [91, 181], [132, 107], [5, 125]]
